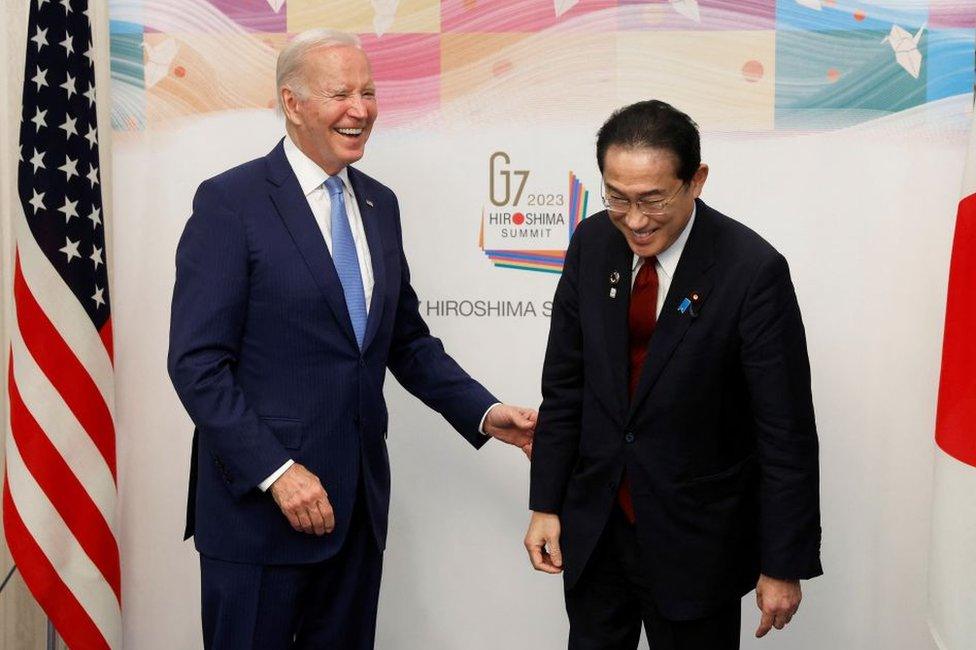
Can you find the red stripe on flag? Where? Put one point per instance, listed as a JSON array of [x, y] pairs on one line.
[[106, 335], [955, 423], [69, 617], [63, 489], [63, 369]]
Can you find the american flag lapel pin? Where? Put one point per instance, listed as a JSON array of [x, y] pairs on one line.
[[614, 280]]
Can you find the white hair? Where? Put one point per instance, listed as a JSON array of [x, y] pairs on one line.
[[289, 73]]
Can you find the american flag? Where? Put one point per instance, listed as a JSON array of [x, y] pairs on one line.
[[59, 493]]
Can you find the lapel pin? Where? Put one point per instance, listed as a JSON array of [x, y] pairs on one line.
[[613, 292], [369, 203], [690, 304], [614, 277]]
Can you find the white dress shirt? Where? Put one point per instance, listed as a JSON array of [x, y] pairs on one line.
[[311, 178], [667, 262]]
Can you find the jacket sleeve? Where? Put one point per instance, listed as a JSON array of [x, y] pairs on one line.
[[206, 323], [419, 362], [557, 435], [777, 373]]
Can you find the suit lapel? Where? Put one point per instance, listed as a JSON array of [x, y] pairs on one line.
[[619, 264], [293, 209], [691, 277], [371, 224]]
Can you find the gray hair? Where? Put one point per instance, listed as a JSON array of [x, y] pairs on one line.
[[288, 72]]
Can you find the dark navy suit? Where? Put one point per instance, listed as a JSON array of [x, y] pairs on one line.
[[719, 440], [264, 358]]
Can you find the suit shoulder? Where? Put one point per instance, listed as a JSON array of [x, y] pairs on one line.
[[243, 175], [595, 227], [738, 240]]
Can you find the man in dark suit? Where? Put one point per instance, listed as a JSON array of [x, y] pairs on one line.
[[292, 298], [675, 459]]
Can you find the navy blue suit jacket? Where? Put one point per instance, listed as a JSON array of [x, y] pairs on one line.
[[719, 440], [264, 358]]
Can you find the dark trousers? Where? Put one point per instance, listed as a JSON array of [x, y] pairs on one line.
[[325, 606], [612, 598]]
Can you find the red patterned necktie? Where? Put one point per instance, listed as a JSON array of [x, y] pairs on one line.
[[641, 319]]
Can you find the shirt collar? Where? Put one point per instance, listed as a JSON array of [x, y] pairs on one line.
[[310, 176], [667, 260]]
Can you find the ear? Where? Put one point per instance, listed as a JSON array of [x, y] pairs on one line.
[[698, 180], [290, 106]]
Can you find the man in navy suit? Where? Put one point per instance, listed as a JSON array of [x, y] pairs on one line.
[[292, 298], [675, 459]]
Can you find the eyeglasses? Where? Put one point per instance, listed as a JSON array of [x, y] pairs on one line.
[[653, 208]]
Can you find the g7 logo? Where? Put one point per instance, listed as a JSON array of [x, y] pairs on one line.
[[500, 175]]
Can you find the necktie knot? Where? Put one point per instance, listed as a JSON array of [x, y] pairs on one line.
[[334, 185]]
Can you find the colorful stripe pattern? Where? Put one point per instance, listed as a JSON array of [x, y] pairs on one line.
[[542, 260]]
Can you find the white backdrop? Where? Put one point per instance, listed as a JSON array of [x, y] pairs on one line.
[[865, 217]]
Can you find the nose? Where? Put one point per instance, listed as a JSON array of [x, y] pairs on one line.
[[357, 107], [634, 218]]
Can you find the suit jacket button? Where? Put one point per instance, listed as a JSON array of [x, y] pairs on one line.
[[629, 437]]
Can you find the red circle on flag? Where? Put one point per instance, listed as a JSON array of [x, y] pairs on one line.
[[518, 218]]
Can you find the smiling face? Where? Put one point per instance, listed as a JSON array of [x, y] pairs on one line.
[[648, 175], [331, 120]]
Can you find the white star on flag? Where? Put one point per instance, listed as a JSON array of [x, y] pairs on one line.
[[92, 136], [69, 126], [99, 300], [67, 6], [40, 38], [95, 217], [38, 119], [40, 78], [37, 160], [69, 209], [90, 95], [68, 45], [70, 167], [69, 85], [90, 53], [92, 175], [71, 249], [37, 201], [96, 256]]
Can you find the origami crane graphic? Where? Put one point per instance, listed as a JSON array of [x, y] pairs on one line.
[[384, 13], [276, 5], [159, 58], [562, 6], [811, 4], [688, 9], [905, 47]]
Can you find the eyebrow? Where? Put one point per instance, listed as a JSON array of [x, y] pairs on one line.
[[640, 196]]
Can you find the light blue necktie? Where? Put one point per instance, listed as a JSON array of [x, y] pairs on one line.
[[346, 260]]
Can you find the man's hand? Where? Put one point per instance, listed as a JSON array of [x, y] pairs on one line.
[[512, 424], [778, 601], [542, 543], [303, 500]]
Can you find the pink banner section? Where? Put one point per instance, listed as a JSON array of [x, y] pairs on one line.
[[515, 15], [955, 425]]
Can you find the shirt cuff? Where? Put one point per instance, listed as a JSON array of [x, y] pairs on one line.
[[481, 427], [266, 483]]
